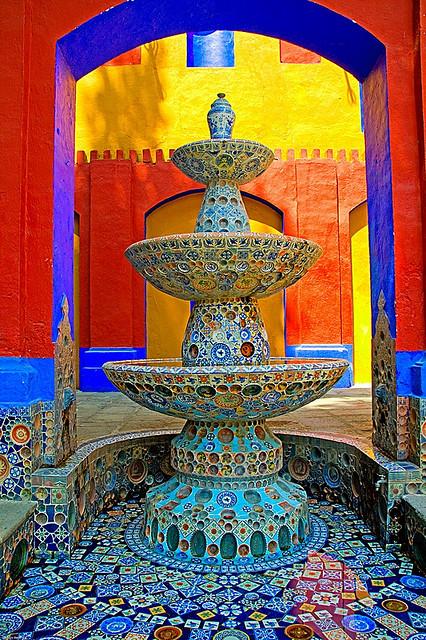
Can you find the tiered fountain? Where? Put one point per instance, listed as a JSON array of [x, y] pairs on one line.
[[226, 506]]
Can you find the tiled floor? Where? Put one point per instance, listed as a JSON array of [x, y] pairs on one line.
[[340, 411], [351, 589]]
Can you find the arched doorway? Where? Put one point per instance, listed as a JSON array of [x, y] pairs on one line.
[[166, 317], [309, 25]]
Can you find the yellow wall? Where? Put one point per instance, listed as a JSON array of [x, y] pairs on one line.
[[162, 104], [76, 276], [361, 293], [167, 316]]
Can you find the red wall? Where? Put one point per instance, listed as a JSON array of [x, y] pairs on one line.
[[113, 195], [30, 31]]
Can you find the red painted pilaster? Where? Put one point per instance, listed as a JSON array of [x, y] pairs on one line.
[[111, 232], [319, 290]]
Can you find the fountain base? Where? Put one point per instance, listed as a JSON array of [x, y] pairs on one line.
[[244, 521], [160, 554]]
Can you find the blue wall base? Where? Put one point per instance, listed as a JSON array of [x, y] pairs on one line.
[[26, 380], [411, 373], [92, 377], [344, 351]]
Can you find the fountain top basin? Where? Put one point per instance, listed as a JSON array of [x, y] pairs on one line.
[[225, 393], [238, 160], [196, 266]]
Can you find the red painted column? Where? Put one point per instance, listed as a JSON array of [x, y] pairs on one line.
[[111, 232], [420, 68], [13, 172], [409, 247], [319, 290]]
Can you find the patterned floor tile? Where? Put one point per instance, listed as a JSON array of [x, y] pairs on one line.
[[350, 590]]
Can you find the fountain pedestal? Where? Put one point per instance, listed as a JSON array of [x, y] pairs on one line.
[[226, 501], [227, 504]]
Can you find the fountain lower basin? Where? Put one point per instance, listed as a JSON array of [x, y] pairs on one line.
[[223, 392], [212, 525]]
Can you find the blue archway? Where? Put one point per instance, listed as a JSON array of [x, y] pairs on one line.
[[301, 22]]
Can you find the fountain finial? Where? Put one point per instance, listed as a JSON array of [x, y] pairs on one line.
[[221, 118]]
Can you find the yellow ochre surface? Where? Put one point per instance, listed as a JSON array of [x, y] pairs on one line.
[[166, 317], [162, 104], [361, 293]]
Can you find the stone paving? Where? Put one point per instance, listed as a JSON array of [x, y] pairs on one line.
[[345, 412]]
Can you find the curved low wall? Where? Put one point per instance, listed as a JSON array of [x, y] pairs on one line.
[[107, 470]]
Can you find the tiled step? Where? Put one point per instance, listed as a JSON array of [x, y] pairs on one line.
[[16, 540]]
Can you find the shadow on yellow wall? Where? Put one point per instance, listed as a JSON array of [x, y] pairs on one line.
[[161, 103], [166, 317], [119, 105], [360, 255]]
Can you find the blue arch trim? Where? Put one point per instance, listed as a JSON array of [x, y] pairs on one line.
[[302, 22], [379, 191]]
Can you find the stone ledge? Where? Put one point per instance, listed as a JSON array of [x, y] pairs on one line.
[[418, 505], [414, 532], [13, 514], [99, 474], [105, 470]]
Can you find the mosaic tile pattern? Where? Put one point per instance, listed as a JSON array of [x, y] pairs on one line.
[[413, 534], [385, 434], [215, 451], [364, 479], [417, 433], [272, 559], [222, 209], [350, 590], [98, 475], [369, 482], [15, 552], [209, 160], [225, 392], [61, 438], [341, 473], [231, 332], [20, 449], [403, 428], [221, 118], [199, 265]]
